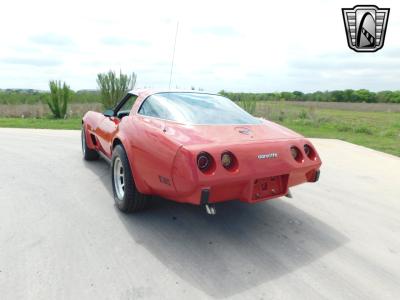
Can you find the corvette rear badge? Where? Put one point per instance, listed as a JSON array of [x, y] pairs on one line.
[[267, 156], [365, 27]]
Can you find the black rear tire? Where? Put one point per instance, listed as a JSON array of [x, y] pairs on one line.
[[131, 200], [88, 154]]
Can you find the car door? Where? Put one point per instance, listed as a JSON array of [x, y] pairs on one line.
[[107, 129]]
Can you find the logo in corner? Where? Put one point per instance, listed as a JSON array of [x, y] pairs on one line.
[[365, 27]]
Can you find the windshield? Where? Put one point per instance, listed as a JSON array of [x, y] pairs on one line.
[[195, 108]]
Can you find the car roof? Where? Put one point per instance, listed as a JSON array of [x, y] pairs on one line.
[[148, 92]]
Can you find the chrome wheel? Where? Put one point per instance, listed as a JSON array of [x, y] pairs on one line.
[[83, 139], [127, 198], [119, 181]]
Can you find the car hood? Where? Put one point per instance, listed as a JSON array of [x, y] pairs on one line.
[[209, 134]]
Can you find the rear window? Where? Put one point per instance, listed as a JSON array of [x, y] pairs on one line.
[[195, 108]]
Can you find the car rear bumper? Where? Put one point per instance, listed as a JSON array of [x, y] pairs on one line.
[[251, 190]]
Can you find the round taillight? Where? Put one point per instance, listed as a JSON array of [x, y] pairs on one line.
[[309, 152], [203, 161], [227, 160], [296, 154]]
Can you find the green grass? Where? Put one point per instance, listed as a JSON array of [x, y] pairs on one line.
[[74, 123], [388, 144], [376, 130]]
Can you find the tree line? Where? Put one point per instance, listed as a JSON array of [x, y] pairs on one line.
[[348, 95], [30, 96], [23, 96]]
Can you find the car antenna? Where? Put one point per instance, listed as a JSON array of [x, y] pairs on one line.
[[173, 55]]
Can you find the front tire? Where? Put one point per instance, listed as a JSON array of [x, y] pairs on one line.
[[127, 198], [88, 154]]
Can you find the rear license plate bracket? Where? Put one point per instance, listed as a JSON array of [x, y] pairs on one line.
[[269, 187]]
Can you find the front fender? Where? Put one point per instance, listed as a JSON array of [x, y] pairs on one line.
[[89, 122]]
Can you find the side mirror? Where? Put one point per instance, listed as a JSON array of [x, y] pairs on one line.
[[108, 113]]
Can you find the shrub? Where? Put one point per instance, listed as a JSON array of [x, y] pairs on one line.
[[248, 104], [281, 116], [363, 129], [322, 120], [113, 87], [58, 98], [303, 115], [392, 133], [343, 127]]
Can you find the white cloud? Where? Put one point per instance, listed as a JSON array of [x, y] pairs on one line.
[[247, 45]]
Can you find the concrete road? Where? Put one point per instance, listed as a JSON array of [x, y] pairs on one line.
[[62, 238]]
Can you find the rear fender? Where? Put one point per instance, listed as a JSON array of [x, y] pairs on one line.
[[141, 185], [184, 171]]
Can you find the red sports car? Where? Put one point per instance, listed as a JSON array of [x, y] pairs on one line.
[[197, 148]]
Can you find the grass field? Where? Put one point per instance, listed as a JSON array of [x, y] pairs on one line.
[[73, 123], [364, 126], [40, 110], [378, 130]]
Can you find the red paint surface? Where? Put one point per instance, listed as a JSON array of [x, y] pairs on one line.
[[158, 148]]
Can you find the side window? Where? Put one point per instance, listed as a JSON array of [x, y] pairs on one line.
[[149, 108], [126, 108], [152, 108], [155, 106]]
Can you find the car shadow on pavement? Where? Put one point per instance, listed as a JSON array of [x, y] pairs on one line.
[[241, 247]]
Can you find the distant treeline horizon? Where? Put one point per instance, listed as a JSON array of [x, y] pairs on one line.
[[347, 95], [32, 96]]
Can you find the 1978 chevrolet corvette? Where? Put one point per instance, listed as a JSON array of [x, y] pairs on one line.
[[197, 148]]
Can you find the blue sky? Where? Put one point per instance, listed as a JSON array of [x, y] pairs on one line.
[[237, 46]]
